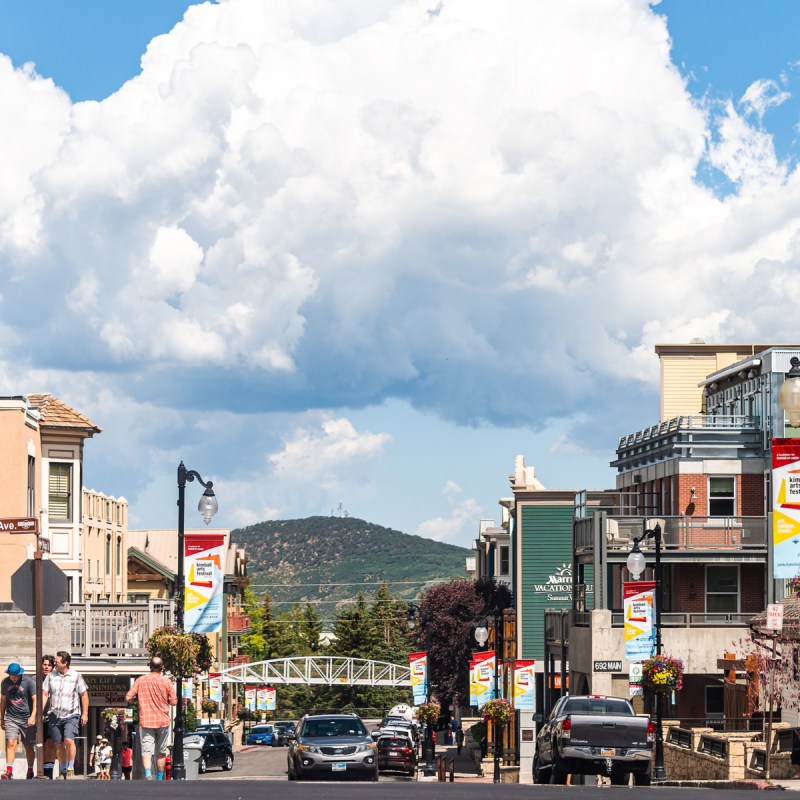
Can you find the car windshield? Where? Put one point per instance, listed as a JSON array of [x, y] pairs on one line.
[[387, 742], [314, 728], [196, 737], [597, 706]]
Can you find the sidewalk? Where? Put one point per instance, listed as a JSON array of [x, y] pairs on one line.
[[464, 768]]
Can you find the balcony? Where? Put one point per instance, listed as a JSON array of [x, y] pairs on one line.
[[238, 623], [701, 436], [682, 534], [118, 630]]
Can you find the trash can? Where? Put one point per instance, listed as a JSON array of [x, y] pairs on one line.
[[191, 759]]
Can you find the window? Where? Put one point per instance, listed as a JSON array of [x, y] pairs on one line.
[[59, 504], [119, 556], [108, 555], [722, 497], [31, 486], [722, 589], [504, 561]]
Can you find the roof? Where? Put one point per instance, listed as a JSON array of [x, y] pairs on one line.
[[161, 546], [791, 620], [54, 413]]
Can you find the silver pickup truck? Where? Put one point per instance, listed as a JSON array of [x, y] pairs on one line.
[[594, 735]]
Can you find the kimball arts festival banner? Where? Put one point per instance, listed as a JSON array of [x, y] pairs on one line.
[[473, 697], [524, 685], [419, 676], [204, 555], [639, 606], [483, 677], [215, 687], [250, 697], [786, 507]]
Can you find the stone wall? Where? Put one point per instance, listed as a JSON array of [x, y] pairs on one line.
[[18, 642]]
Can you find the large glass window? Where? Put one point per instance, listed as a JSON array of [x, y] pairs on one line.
[[722, 589], [722, 497], [59, 503]]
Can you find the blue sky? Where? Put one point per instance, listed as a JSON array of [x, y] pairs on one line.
[[355, 252]]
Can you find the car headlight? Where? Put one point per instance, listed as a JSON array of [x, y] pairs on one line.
[[366, 746], [309, 748]]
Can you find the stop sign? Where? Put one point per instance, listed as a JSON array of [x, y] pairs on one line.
[[54, 588]]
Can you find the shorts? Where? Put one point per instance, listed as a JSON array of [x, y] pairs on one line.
[[153, 740], [63, 729], [19, 731]]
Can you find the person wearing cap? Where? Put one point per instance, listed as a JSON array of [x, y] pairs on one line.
[[68, 696], [106, 754], [18, 716], [94, 755]]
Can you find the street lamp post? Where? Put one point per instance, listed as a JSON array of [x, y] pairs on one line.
[[481, 637], [636, 565], [429, 768], [207, 507]]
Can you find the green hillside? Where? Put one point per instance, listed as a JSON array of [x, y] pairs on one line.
[[331, 559]]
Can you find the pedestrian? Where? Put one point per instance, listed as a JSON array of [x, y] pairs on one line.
[[105, 760], [459, 739], [126, 760], [65, 690], [156, 694], [94, 756], [48, 748], [454, 726], [18, 716]]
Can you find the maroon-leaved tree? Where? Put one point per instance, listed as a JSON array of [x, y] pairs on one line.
[[448, 615]]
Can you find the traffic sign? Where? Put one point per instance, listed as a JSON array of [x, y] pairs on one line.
[[54, 587], [19, 525], [774, 617]]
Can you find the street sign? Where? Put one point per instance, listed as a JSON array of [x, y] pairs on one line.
[[607, 666], [19, 525], [54, 588], [44, 544], [774, 617]]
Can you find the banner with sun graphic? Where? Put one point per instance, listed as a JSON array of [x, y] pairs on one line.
[[204, 555], [786, 507]]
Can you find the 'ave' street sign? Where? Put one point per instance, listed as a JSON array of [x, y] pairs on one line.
[[19, 525]]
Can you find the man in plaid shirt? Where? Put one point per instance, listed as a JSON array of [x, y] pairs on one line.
[[156, 694], [66, 692]]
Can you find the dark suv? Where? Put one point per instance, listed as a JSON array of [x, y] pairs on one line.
[[215, 749], [332, 744]]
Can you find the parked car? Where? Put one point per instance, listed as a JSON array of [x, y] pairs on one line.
[[282, 731], [210, 726], [261, 734], [332, 744], [594, 735], [397, 753], [215, 749]]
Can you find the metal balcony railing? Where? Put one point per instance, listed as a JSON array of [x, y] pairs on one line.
[[116, 629], [691, 620]]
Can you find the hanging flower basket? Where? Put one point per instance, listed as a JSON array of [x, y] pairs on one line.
[[187, 653], [209, 707], [497, 711], [428, 713], [794, 586], [663, 674]]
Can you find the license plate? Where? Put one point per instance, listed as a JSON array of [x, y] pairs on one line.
[[339, 767], [608, 751], [393, 753]]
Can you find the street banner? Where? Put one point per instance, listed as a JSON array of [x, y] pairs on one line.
[[261, 698], [250, 697], [215, 687], [484, 677], [186, 689], [270, 698], [473, 697], [639, 607], [204, 555], [524, 685], [419, 676], [786, 507]]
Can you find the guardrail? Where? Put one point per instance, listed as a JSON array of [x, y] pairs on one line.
[[116, 629], [689, 620], [714, 747]]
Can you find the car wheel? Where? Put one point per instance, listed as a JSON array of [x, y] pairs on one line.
[[538, 777], [620, 777], [374, 777], [558, 774], [202, 766], [228, 765]]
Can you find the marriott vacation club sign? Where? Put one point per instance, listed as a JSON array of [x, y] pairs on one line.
[[558, 586]]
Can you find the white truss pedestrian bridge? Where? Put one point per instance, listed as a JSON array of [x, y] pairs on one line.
[[320, 670]]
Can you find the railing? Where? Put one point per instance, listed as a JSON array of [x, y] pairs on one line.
[[688, 533], [116, 629], [556, 625], [680, 737], [754, 725], [696, 423], [691, 620], [714, 747]]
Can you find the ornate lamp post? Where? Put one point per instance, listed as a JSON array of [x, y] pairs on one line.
[[636, 564], [481, 637], [207, 506], [429, 768]]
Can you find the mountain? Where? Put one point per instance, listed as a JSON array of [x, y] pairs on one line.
[[331, 559]]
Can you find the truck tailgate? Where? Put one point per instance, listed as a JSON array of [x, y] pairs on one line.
[[608, 731]]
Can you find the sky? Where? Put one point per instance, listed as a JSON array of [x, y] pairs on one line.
[[355, 256]]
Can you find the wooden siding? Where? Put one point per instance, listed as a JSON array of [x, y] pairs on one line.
[[546, 543]]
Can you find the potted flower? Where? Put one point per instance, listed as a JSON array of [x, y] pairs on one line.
[[497, 711], [663, 673], [113, 716], [209, 707], [187, 653], [428, 713]]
